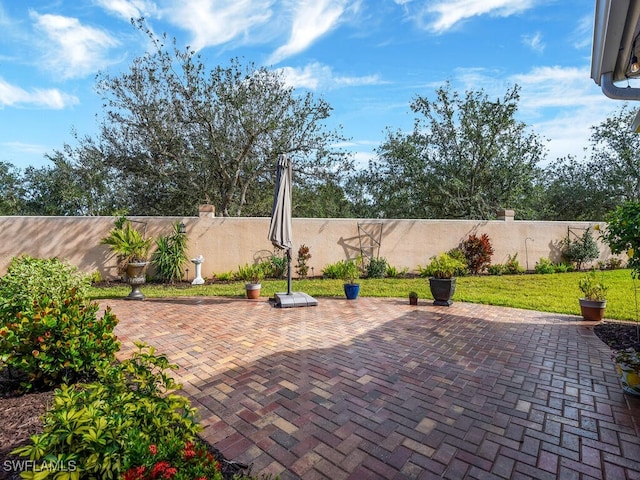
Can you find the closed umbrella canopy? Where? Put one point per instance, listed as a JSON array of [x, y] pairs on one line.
[[280, 231]]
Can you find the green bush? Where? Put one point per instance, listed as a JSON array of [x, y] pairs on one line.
[[170, 255], [277, 266], [376, 268], [441, 266], [99, 426], [394, 272], [496, 269], [544, 266], [623, 233], [346, 270], [512, 266], [581, 250], [458, 254], [29, 279], [56, 341], [250, 273]]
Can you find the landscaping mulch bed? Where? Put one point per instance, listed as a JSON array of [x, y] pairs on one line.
[[21, 417]]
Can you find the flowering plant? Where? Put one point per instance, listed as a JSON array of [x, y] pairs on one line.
[[175, 459], [628, 356]]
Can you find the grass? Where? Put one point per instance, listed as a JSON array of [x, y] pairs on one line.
[[557, 292]]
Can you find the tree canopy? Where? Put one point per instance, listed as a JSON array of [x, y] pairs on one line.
[[178, 135], [466, 157]]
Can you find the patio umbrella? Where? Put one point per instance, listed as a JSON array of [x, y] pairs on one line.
[[280, 231]]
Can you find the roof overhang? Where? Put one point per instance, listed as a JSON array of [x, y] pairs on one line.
[[615, 33]]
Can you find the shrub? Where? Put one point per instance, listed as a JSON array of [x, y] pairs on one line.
[[477, 252], [581, 250], [30, 279], [441, 266], [376, 268], [277, 267], [170, 255], [57, 341], [127, 243], [613, 263], [458, 254], [224, 276], [496, 269], [189, 460], [561, 267], [250, 273], [592, 287], [544, 266], [346, 270], [512, 266], [394, 272], [302, 269], [99, 425], [623, 233]]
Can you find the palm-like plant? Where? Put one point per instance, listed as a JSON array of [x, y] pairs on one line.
[[128, 244]]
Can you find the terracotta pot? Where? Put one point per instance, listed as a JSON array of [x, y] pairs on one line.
[[592, 310], [413, 300], [253, 290]]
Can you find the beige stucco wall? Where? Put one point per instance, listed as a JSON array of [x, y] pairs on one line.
[[228, 242]]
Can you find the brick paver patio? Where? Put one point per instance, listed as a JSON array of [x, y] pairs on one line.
[[375, 388]]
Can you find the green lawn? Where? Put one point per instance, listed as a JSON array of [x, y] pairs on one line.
[[550, 293]]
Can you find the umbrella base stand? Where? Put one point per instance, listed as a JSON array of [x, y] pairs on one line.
[[294, 299]]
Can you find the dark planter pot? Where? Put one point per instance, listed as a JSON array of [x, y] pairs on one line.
[[135, 278], [592, 310], [351, 290], [442, 290], [413, 300]]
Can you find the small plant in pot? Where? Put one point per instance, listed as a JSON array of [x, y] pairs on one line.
[[594, 302], [252, 276], [442, 281], [349, 272], [132, 250], [413, 298]]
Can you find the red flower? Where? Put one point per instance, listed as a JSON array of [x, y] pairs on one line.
[[159, 468], [189, 453], [134, 473], [169, 472], [153, 449]]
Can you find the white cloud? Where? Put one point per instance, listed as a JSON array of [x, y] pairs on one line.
[[534, 42], [559, 103], [312, 19], [214, 22], [583, 33], [72, 49], [451, 12], [128, 9], [10, 95], [316, 76]]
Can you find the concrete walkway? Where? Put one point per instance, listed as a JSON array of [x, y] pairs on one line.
[[375, 388]]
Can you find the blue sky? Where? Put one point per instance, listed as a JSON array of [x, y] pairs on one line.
[[367, 58]]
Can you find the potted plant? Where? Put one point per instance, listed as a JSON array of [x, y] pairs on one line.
[[594, 302], [413, 298], [252, 276], [622, 235], [442, 282], [349, 272], [132, 250]]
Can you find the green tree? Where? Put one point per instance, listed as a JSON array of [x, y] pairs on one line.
[[467, 157], [609, 176], [179, 134], [77, 183], [11, 190]]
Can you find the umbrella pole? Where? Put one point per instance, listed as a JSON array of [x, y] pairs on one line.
[[289, 271]]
